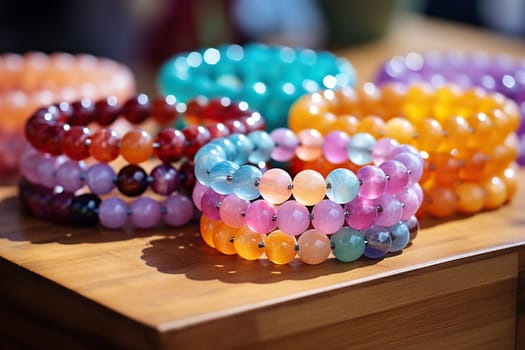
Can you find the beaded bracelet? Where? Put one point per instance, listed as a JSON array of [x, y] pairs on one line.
[[36, 79], [235, 71], [466, 137], [373, 200], [499, 73]]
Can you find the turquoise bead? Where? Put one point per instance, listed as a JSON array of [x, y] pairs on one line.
[[347, 244], [221, 177], [400, 235], [227, 146], [244, 147], [263, 147], [342, 185], [203, 168], [210, 149], [360, 148], [245, 182]]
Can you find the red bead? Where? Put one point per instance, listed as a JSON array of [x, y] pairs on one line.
[[254, 122], [170, 145], [195, 107], [104, 145], [107, 111], [216, 109], [83, 112], [164, 110], [218, 130], [132, 180], [137, 109], [74, 142], [44, 131], [187, 175], [196, 137], [235, 126]]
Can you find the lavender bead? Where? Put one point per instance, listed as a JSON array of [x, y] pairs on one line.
[[293, 218], [389, 210], [210, 204], [198, 191], [410, 200], [69, 175], [113, 213], [373, 181], [334, 147], [378, 242], [28, 164], [285, 144], [328, 217], [179, 210], [46, 170], [361, 213], [164, 179], [397, 175], [383, 149], [145, 212], [414, 164], [100, 178], [260, 216]]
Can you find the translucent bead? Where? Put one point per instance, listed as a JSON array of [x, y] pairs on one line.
[[69, 175], [362, 213], [263, 147], [104, 145], [430, 134], [410, 202], [203, 168], [198, 191], [348, 244], [383, 149], [132, 180], [221, 177], [342, 185], [210, 204], [413, 227], [372, 125], [378, 242], [248, 244], [99, 178], [171, 145], [360, 147], [397, 174], [260, 216], [145, 213], [136, 146], [309, 187], [314, 247], [495, 193], [227, 146], [400, 235], [232, 211], [206, 228], [179, 210], [74, 142], [113, 213], [292, 218], [310, 144], [210, 149], [46, 169], [244, 147], [285, 144], [441, 201], [373, 181], [327, 217], [223, 237], [196, 136], [165, 179], [399, 129], [334, 147], [280, 247], [275, 186], [413, 162], [389, 210], [245, 182], [84, 209]]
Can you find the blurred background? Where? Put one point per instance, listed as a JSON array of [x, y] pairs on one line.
[[143, 33]]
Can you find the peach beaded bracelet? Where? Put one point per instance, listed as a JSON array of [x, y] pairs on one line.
[[36, 79], [466, 137]]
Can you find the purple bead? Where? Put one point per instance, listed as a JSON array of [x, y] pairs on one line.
[[410, 200], [38, 201], [413, 227], [397, 175], [285, 144], [383, 149], [293, 218], [373, 181], [419, 191], [389, 210], [232, 211], [28, 164], [60, 206], [46, 170], [361, 213], [145, 212], [99, 178], [378, 242], [179, 210], [414, 164], [334, 147], [210, 204], [164, 179], [69, 175], [113, 213], [198, 191], [328, 217], [260, 216]]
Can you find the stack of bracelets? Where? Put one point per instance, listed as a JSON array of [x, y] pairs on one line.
[[249, 211], [269, 78], [67, 175], [466, 137], [500, 73], [36, 79]]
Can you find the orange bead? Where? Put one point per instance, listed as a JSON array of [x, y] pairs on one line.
[[429, 135], [400, 130], [471, 198], [417, 102], [345, 123], [495, 193], [369, 96], [104, 145], [314, 247], [280, 247], [248, 244], [457, 132], [207, 227], [445, 168], [510, 178], [347, 101], [393, 97], [306, 111], [372, 125], [223, 237], [136, 146], [441, 202], [309, 187], [474, 163], [275, 186], [482, 131]]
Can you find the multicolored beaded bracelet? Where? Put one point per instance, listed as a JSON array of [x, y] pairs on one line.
[[499, 73], [374, 199], [235, 71], [37, 79], [466, 137]]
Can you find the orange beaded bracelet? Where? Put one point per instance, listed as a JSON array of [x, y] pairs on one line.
[[466, 137]]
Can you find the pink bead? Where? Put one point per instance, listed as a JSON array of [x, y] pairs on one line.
[[397, 175], [414, 164], [28, 164], [419, 191], [69, 175], [373, 181], [275, 186], [260, 216], [293, 218], [383, 149], [210, 204], [179, 210], [328, 217], [232, 211], [410, 200], [198, 191], [286, 142], [334, 147], [314, 247], [362, 213], [311, 143], [145, 212], [389, 210], [99, 178], [113, 213]]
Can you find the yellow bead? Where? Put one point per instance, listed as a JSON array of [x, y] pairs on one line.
[[248, 244], [309, 187], [280, 247], [400, 130]]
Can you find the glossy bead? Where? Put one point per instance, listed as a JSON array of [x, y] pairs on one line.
[[104, 145], [45, 171], [170, 145], [84, 210], [207, 227], [196, 137], [280, 247], [410, 202], [342, 185], [113, 213], [383, 149], [132, 180], [60, 206], [397, 174], [263, 147], [106, 110], [232, 211], [203, 168], [362, 213], [285, 144], [378, 242], [413, 227], [99, 178], [413, 163], [187, 175], [400, 236], [210, 204], [136, 146], [389, 210], [348, 244], [399, 129], [261, 216], [223, 237], [310, 144], [221, 177], [244, 147], [334, 147], [74, 142], [164, 109], [179, 210], [495, 193], [82, 112], [145, 212], [360, 147], [441, 201], [164, 179], [314, 247], [70, 175], [309, 187], [292, 218], [249, 245], [275, 186], [373, 181], [245, 182], [327, 217], [471, 197], [137, 109]]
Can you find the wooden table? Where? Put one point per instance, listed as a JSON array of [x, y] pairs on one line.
[[461, 285]]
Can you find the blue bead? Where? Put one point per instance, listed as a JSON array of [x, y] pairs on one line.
[[400, 236], [360, 148], [227, 146], [348, 244], [245, 182], [210, 149], [244, 147], [378, 242], [203, 168], [221, 177], [342, 185], [263, 147]]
